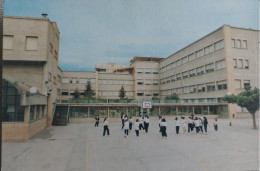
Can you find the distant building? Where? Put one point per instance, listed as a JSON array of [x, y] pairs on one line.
[[222, 62]]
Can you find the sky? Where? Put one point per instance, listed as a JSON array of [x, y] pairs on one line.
[[114, 31]]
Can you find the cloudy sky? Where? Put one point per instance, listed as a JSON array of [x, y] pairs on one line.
[[103, 31]]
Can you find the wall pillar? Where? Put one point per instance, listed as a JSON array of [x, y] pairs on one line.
[[193, 109], [159, 110], [88, 111], [26, 114], [177, 111], [49, 112], [208, 110], [108, 112]]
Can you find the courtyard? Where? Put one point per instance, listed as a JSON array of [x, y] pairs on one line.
[[81, 146]]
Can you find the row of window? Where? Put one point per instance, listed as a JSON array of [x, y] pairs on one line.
[[241, 63], [31, 42], [196, 71], [148, 94], [116, 82], [78, 81], [204, 51], [114, 93], [147, 71], [238, 43], [239, 84], [147, 82], [212, 86]]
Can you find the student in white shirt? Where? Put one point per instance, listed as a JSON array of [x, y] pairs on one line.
[[177, 124], [106, 129], [190, 125], [123, 120], [164, 125], [200, 125], [130, 123], [146, 121], [141, 123], [137, 127], [197, 124], [126, 127], [183, 124]]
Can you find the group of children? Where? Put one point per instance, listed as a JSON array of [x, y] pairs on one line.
[[196, 123]]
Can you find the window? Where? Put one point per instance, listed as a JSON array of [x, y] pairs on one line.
[[32, 113], [185, 89], [185, 59], [83, 80], [155, 94], [238, 43], [31, 43], [219, 45], [74, 80], [200, 70], [168, 67], [178, 63], [168, 79], [92, 81], [246, 83], [155, 82], [64, 93], [235, 63], [64, 80], [148, 71], [173, 77], [244, 45], [193, 89], [51, 48], [192, 72], [222, 85], [233, 43], [148, 82], [246, 64], [155, 71], [140, 94], [209, 49], [211, 86], [8, 42], [178, 76], [185, 74], [238, 84], [140, 82], [173, 64], [200, 53], [209, 68], [240, 63], [201, 88], [139, 70], [220, 64], [191, 57], [179, 90]]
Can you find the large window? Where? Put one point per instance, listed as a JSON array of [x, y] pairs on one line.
[[219, 45], [246, 83], [209, 67], [12, 111], [31, 43], [222, 85], [220, 65], [211, 86], [8, 42], [200, 70]]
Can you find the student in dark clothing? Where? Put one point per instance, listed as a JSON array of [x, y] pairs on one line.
[[164, 125], [205, 123], [97, 121]]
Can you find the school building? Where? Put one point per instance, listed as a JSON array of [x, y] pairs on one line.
[[37, 92]]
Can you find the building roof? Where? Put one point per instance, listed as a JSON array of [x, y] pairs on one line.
[[137, 58]]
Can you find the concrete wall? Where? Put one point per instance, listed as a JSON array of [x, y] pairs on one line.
[[15, 131]]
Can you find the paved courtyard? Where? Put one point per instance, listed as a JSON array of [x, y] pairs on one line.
[[80, 147]]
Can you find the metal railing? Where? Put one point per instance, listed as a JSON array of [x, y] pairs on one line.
[[115, 101]]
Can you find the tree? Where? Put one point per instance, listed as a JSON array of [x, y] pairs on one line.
[[89, 93], [122, 93], [248, 99], [76, 94], [174, 96]]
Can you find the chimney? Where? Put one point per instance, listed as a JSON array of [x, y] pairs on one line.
[[44, 15]]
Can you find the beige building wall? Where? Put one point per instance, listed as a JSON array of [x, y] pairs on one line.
[[72, 80]]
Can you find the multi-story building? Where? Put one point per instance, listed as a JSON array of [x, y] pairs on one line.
[[31, 75], [220, 63]]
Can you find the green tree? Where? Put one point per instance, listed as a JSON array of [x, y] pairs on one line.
[[248, 99], [174, 96], [89, 93], [76, 94], [122, 93]]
